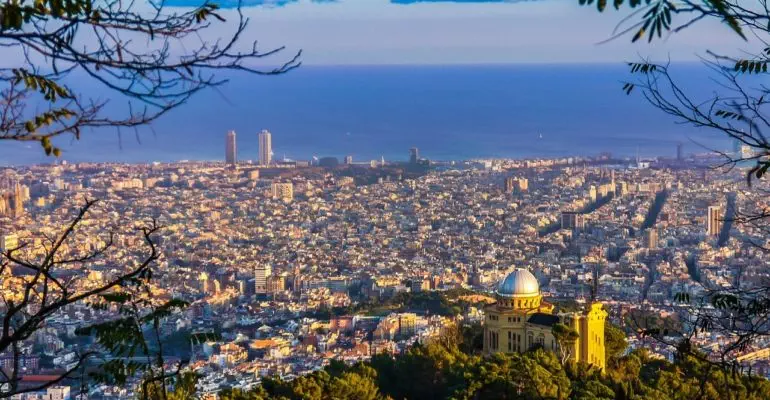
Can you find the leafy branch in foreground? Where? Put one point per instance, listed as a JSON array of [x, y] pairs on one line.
[[738, 111], [152, 56], [653, 18], [737, 107], [130, 355], [38, 291]]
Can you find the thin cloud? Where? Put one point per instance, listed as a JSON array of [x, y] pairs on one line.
[[242, 3], [407, 2], [283, 3]]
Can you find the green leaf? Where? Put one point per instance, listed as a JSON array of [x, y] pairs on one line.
[[203, 337], [117, 297], [721, 7]]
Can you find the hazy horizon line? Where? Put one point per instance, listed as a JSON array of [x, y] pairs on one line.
[[485, 64], [253, 162]]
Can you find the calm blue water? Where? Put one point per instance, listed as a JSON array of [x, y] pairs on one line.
[[452, 112]]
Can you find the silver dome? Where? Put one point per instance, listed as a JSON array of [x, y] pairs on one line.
[[519, 283]]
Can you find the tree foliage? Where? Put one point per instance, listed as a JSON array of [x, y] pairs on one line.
[[147, 60], [736, 106], [148, 57], [42, 294], [440, 371], [615, 343], [127, 343], [565, 339]]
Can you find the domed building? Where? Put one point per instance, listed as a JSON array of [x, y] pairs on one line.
[[521, 320]]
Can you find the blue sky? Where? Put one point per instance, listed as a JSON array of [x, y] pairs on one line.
[[460, 32]]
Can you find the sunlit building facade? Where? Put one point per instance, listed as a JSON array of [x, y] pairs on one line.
[[265, 148], [714, 218], [520, 320]]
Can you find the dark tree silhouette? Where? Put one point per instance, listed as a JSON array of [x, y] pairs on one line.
[[40, 294], [147, 59], [151, 56], [737, 107]]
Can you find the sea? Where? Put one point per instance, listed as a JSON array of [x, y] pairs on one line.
[[453, 112]]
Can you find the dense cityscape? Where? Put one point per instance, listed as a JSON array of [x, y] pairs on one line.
[[298, 263]]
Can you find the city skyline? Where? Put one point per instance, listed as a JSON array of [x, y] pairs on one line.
[[340, 119], [342, 234], [488, 198]]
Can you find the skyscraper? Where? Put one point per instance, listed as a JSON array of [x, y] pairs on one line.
[[651, 238], [203, 278], [261, 273], [729, 217], [265, 147], [523, 185], [679, 152], [230, 150], [712, 224], [414, 155]]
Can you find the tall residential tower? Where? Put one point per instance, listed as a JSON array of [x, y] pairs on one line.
[[414, 155], [714, 217], [265, 147], [230, 149]]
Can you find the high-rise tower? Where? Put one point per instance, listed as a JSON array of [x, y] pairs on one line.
[[651, 238], [265, 147], [230, 149], [712, 224], [414, 155]]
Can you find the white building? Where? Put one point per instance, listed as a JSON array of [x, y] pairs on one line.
[[265, 147], [51, 393], [261, 273], [283, 190]]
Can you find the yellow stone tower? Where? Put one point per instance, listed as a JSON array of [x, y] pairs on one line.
[[589, 325], [521, 320]]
